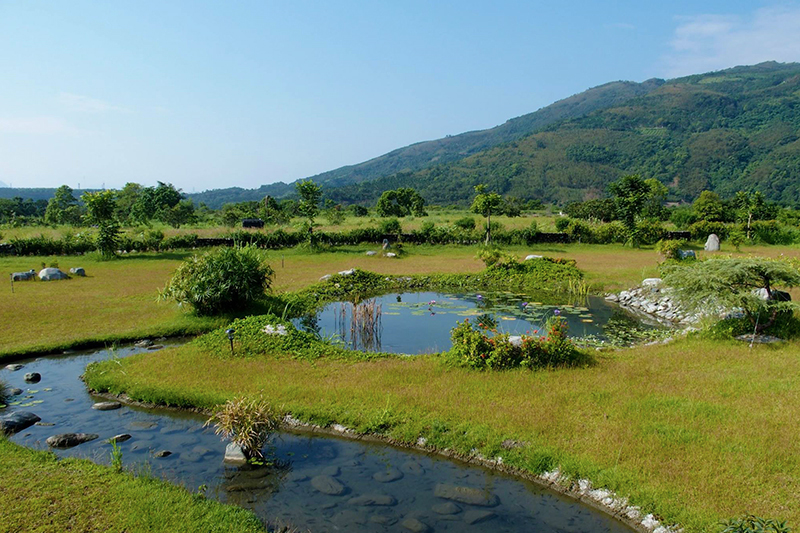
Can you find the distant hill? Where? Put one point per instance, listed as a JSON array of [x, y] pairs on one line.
[[736, 129], [452, 148], [37, 193]]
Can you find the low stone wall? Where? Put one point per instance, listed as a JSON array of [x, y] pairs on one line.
[[655, 301]]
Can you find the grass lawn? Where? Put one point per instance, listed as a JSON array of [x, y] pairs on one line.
[[41, 494], [695, 431]]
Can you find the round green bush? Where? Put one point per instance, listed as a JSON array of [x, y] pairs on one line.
[[221, 280]]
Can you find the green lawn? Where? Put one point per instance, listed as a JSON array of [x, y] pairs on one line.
[[39, 493]]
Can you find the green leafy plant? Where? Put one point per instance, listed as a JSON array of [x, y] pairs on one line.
[[246, 422], [221, 280], [754, 524], [670, 249], [116, 456], [495, 256]]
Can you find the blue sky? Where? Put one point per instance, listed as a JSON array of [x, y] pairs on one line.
[[220, 94]]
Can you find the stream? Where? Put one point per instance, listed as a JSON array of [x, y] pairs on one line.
[[320, 483]]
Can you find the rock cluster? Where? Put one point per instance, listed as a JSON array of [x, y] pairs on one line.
[[653, 300]]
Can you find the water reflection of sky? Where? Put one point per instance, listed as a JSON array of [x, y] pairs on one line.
[[420, 322], [285, 493]]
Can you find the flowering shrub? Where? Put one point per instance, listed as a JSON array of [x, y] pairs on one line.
[[473, 347]]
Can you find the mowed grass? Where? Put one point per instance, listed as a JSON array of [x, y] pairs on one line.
[[117, 300], [695, 431], [42, 494]]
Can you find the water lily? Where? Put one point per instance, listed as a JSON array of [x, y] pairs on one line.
[[479, 297], [556, 312]]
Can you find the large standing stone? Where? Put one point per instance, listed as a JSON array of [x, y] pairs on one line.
[[712, 243], [52, 274], [467, 495], [15, 422], [328, 485], [68, 440]]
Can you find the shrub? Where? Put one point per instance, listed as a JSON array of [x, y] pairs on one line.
[[474, 348], [670, 249], [390, 226], [465, 223], [754, 524], [249, 423], [562, 223], [702, 229], [649, 231], [220, 280], [580, 231], [495, 256]]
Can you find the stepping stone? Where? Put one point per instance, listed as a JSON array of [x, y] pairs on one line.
[[467, 495], [106, 406], [14, 367], [122, 437], [477, 516], [387, 476], [328, 485], [368, 500], [446, 508], [15, 422], [33, 377], [162, 453]]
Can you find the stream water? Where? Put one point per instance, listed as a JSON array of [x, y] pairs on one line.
[[382, 488]]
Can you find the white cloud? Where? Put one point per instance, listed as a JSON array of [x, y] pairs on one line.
[[37, 126], [716, 41], [84, 104]]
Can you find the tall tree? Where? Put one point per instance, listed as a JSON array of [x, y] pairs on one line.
[[101, 210], [308, 206], [486, 203], [630, 194], [63, 207]]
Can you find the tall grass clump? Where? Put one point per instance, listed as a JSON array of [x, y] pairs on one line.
[[221, 280], [248, 423]]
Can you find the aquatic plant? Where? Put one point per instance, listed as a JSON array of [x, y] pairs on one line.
[[116, 456], [246, 422]]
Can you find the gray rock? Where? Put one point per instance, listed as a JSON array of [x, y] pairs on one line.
[[328, 485], [415, 526], [369, 500], [532, 256], [14, 367], [686, 254], [346, 273], [78, 271], [155, 347], [712, 243], [14, 392], [467, 495], [476, 516], [391, 254], [24, 276], [45, 424], [371, 253], [296, 477], [346, 518], [326, 277], [413, 468], [68, 440], [332, 470], [15, 422], [234, 455], [387, 476], [383, 519], [162, 453], [106, 406], [33, 377], [144, 343], [447, 508], [122, 437], [202, 451], [52, 274], [651, 282]]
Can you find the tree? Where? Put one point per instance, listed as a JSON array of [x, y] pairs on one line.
[[654, 203], [101, 209], [709, 207], [630, 194], [727, 283], [308, 206], [63, 208], [400, 203], [486, 203], [752, 206]]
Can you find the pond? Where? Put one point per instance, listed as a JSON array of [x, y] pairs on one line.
[[420, 322], [382, 488]]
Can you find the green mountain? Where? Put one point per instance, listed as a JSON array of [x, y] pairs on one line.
[[452, 148], [731, 130]]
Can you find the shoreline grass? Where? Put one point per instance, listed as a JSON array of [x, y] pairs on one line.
[[41, 493], [695, 431]]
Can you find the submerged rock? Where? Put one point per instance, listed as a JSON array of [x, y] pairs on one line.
[[413, 468], [446, 508], [368, 500], [332, 470], [15, 422], [387, 476], [328, 485], [162, 453], [467, 495], [68, 440], [415, 525], [476, 516], [14, 392]]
